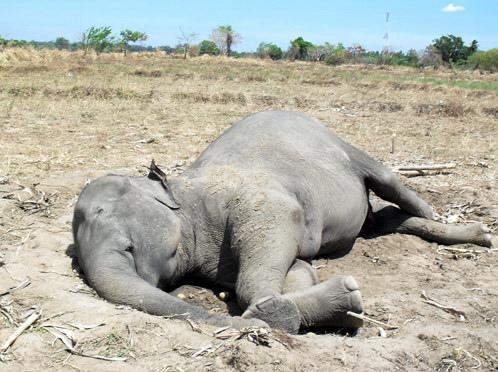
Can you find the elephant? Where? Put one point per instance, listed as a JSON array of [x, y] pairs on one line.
[[274, 191]]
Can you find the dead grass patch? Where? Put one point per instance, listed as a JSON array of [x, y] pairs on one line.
[[450, 109], [321, 83], [491, 111], [304, 102], [217, 98], [144, 73], [77, 92], [387, 106], [267, 100], [26, 69]]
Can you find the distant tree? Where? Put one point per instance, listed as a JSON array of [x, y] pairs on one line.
[[166, 49], [320, 52], [487, 60], [61, 43], [336, 57], [208, 47], [186, 40], [17, 43], [431, 57], [453, 50], [225, 38], [354, 52], [3, 42], [98, 39], [129, 36], [269, 50], [299, 49]]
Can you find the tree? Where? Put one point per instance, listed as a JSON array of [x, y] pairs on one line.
[[208, 47], [299, 49], [98, 39], [453, 50], [225, 37], [487, 60], [269, 50], [62, 43], [186, 41], [431, 57], [129, 36]]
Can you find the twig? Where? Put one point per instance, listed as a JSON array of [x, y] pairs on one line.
[[364, 317], [474, 358], [18, 229], [20, 285], [56, 315], [24, 326], [65, 336], [449, 309], [202, 351], [6, 314], [130, 336], [421, 170], [426, 167], [100, 357], [84, 327]]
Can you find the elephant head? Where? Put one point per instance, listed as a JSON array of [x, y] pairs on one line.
[[127, 232]]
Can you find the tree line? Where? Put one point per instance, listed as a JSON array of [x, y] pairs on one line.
[[448, 49]]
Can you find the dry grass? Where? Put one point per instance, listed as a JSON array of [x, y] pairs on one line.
[[66, 118]]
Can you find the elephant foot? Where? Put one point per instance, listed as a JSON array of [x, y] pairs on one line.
[[478, 233], [327, 304], [279, 312]]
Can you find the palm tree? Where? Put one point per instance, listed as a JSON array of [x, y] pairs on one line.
[[225, 37]]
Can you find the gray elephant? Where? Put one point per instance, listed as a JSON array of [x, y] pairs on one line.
[[270, 194]]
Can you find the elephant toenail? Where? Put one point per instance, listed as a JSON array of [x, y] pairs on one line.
[[350, 284]]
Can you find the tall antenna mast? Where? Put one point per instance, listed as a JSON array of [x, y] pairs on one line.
[[386, 36]]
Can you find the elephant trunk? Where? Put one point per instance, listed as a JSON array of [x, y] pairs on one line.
[[116, 281]]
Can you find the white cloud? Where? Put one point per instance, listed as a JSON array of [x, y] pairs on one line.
[[452, 8]]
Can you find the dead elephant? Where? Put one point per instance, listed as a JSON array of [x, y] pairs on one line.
[[274, 191]]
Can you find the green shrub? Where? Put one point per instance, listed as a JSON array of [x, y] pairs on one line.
[[208, 47], [336, 57], [485, 60], [269, 50]]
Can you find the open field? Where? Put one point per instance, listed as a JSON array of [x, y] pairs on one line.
[[66, 119]]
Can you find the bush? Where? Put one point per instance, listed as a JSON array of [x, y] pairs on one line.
[[208, 47], [299, 49], [431, 57], [453, 50], [485, 60], [269, 50], [336, 57]]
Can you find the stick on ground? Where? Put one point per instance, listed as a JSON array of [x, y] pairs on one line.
[[364, 317], [27, 323]]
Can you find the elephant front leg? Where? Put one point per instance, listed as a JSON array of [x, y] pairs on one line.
[[266, 233], [323, 304], [260, 284], [267, 228]]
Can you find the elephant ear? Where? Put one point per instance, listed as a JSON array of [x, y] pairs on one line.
[[166, 198]]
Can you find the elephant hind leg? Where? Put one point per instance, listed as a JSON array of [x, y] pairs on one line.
[[301, 275], [323, 304], [387, 186], [327, 304], [390, 219]]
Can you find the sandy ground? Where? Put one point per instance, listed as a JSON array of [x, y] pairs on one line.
[[66, 120]]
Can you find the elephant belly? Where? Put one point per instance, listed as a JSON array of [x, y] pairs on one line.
[[338, 223]]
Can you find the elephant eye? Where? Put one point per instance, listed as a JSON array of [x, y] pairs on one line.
[[130, 249]]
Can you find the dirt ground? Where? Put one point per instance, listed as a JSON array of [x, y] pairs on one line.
[[66, 119]]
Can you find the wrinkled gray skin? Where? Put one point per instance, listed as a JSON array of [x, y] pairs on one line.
[[270, 194]]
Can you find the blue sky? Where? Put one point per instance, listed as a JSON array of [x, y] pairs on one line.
[[413, 24]]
